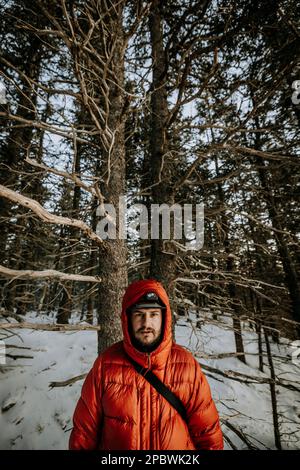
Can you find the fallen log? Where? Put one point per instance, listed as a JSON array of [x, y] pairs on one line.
[[48, 327], [64, 383]]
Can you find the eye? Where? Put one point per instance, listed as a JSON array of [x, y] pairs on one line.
[[138, 315]]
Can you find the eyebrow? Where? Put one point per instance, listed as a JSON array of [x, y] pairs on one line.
[[140, 311]]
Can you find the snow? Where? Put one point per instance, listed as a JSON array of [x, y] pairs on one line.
[[35, 416]]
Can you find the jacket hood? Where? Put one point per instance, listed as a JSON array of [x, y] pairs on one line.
[[159, 356]]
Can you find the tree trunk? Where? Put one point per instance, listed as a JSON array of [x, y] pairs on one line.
[[112, 254], [163, 256], [273, 393], [230, 268], [65, 306], [93, 260]]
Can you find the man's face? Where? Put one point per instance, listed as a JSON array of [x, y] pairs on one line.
[[146, 325]]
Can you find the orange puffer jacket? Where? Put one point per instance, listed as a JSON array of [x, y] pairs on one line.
[[120, 410]]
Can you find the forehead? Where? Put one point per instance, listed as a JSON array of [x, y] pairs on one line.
[[146, 310]]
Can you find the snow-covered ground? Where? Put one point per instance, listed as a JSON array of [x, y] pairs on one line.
[[35, 416]]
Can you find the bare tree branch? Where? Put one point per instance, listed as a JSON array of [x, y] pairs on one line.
[[248, 379], [45, 215], [64, 383], [47, 327], [47, 274]]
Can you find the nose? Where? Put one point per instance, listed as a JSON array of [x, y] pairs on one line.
[[146, 321]]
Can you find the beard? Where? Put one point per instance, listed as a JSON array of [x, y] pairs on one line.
[[140, 346]]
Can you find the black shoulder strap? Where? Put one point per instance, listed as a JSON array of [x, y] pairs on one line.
[[161, 388]]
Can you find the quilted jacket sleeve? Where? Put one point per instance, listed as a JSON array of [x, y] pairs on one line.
[[87, 416], [203, 419]]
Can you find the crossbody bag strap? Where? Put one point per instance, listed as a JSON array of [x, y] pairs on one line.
[[161, 388]]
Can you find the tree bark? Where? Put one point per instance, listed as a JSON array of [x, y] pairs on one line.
[[112, 254], [230, 268], [66, 302], [163, 256], [273, 393]]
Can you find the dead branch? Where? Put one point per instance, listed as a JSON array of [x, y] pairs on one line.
[[258, 153], [232, 445], [47, 274], [4, 313], [47, 327], [45, 215], [68, 134], [12, 356], [239, 377], [70, 176], [240, 434], [64, 383]]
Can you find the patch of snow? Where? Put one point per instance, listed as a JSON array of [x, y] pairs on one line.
[[35, 416]]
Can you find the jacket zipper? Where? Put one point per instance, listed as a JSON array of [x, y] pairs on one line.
[[149, 365], [139, 416]]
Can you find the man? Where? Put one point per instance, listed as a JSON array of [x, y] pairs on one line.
[[120, 410]]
